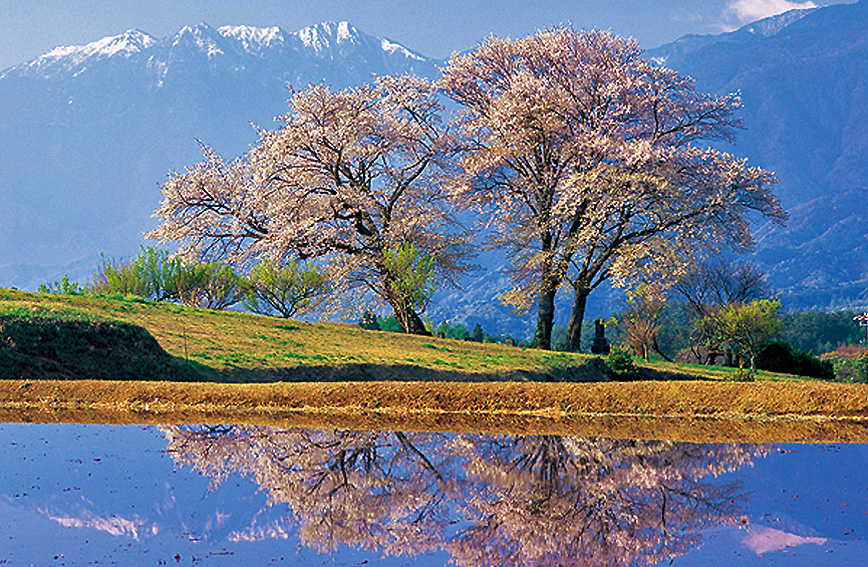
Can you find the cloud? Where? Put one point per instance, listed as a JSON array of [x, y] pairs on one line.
[[746, 11], [762, 540]]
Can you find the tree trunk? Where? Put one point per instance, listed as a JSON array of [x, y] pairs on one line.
[[542, 338], [574, 333], [409, 320], [404, 308]]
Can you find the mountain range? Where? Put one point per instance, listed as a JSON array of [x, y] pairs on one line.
[[88, 134]]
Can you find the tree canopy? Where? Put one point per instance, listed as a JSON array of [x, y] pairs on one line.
[[349, 176], [585, 156]]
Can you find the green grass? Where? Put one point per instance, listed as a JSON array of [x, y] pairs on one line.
[[228, 346], [141, 353], [208, 345]]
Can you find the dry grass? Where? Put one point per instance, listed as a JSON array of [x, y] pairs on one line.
[[696, 411]]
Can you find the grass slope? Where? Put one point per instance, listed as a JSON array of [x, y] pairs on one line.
[[206, 345]]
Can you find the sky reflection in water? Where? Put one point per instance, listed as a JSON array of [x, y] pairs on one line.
[[234, 495]]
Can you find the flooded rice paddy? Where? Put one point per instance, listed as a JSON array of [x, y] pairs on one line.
[[250, 495]]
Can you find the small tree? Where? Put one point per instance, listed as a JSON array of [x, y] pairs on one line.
[[412, 280], [640, 320], [286, 289], [710, 287], [746, 327], [209, 285]]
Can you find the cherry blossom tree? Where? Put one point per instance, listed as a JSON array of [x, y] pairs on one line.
[[349, 175], [584, 157]]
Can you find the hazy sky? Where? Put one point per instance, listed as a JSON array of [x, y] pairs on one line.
[[434, 28]]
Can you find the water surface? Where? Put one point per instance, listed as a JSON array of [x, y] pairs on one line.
[[247, 495]]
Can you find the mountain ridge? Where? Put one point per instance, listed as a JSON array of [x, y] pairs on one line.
[[321, 38]]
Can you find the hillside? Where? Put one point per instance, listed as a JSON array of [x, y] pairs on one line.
[[115, 360], [61, 336], [803, 78]]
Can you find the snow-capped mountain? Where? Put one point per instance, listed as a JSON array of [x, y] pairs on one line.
[[227, 46]]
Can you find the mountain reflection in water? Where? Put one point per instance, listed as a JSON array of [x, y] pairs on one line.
[[483, 499]]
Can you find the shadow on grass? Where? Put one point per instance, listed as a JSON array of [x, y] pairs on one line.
[[60, 348]]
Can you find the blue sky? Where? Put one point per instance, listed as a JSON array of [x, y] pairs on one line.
[[435, 28]]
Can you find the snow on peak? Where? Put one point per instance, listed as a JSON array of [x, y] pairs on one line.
[[231, 42], [125, 44], [205, 39], [346, 32], [322, 36], [773, 25], [392, 48], [253, 39]]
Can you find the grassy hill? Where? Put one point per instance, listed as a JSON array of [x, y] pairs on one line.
[[66, 336], [63, 336]]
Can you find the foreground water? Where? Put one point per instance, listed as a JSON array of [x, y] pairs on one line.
[[243, 495]]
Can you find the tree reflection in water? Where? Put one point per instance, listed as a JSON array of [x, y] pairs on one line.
[[573, 501], [370, 489], [486, 499]]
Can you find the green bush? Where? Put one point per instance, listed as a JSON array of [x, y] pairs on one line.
[[620, 362], [156, 276], [62, 287], [741, 374], [852, 369], [778, 356]]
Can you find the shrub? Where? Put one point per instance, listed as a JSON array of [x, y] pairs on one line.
[[62, 287], [778, 356], [620, 362], [852, 369], [741, 374]]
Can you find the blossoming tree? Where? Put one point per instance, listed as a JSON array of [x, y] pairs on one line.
[[348, 177], [584, 157]]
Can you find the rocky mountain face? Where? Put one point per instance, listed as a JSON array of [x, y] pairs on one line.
[[88, 134], [803, 77]]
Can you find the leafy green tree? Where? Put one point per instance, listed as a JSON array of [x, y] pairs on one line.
[[411, 278], [149, 275], [639, 322], [210, 285], [286, 289], [710, 287], [61, 287], [746, 327]]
